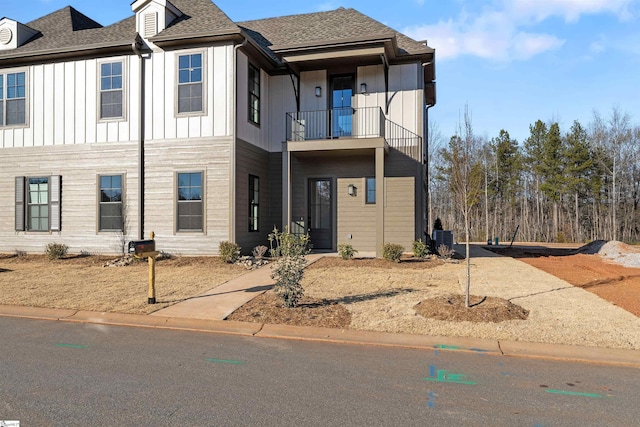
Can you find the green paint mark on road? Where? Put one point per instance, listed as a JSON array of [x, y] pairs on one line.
[[444, 377], [574, 393], [446, 347], [71, 346], [230, 362]]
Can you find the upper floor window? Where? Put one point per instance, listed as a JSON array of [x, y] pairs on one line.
[[190, 88], [254, 95], [111, 90], [13, 99]]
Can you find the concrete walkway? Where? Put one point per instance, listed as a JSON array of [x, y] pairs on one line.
[[218, 303]]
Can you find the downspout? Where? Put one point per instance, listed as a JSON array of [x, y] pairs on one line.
[[137, 49], [425, 155], [232, 149]]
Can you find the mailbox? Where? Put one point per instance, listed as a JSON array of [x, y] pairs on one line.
[[138, 247]]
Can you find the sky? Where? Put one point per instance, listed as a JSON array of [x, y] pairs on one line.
[[510, 62]]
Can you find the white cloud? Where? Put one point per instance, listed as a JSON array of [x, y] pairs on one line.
[[570, 10], [324, 7], [502, 29], [490, 36]]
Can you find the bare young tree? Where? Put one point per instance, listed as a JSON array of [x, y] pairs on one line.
[[465, 179]]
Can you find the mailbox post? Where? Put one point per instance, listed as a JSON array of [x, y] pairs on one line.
[[147, 249]]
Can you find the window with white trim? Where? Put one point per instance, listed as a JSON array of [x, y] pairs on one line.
[[111, 90], [13, 99], [37, 203], [110, 204], [190, 202], [190, 83]]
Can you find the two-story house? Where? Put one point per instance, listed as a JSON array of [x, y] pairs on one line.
[[181, 121]]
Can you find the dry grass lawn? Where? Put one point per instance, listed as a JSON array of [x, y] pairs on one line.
[[82, 283]]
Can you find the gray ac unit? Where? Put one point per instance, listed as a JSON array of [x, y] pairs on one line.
[[443, 237]]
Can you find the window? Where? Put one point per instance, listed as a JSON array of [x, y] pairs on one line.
[[190, 211], [371, 191], [13, 99], [111, 90], [254, 203], [37, 203], [254, 95], [190, 83], [111, 212]]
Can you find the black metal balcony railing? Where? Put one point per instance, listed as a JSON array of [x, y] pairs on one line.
[[352, 123]]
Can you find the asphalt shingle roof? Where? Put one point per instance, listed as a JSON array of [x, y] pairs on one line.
[[69, 29], [331, 26], [200, 16]]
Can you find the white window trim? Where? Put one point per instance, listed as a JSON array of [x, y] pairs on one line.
[[204, 203], [124, 210], [27, 104], [125, 81], [205, 68]]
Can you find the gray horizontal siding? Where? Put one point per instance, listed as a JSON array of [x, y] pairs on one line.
[[79, 167], [163, 161]]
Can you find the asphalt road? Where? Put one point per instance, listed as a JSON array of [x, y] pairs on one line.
[[65, 374]]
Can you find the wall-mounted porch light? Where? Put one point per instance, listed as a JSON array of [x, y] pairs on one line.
[[363, 88], [351, 189], [318, 91]]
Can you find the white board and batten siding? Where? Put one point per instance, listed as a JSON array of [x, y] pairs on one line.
[[162, 119], [63, 105]]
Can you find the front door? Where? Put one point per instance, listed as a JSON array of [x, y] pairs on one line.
[[341, 106], [320, 214]]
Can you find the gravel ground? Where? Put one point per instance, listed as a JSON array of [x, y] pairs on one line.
[[558, 312], [618, 252]]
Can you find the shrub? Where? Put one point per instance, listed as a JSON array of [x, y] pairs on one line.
[[229, 252], [289, 249], [56, 250], [445, 251], [346, 251], [259, 251], [420, 249], [288, 244], [392, 252], [20, 253]]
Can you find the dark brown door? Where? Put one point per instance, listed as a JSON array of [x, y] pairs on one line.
[[320, 213]]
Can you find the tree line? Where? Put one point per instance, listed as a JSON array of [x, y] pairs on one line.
[[558, 185]]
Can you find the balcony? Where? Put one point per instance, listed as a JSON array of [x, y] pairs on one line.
[[349, 128]]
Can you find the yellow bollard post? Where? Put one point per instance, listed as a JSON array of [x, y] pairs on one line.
[[152, 275]]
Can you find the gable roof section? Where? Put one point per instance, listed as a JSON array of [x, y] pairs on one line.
[[340, 27], [200, 19], [68, 30]]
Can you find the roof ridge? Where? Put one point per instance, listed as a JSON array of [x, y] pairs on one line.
[[322, 12]]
